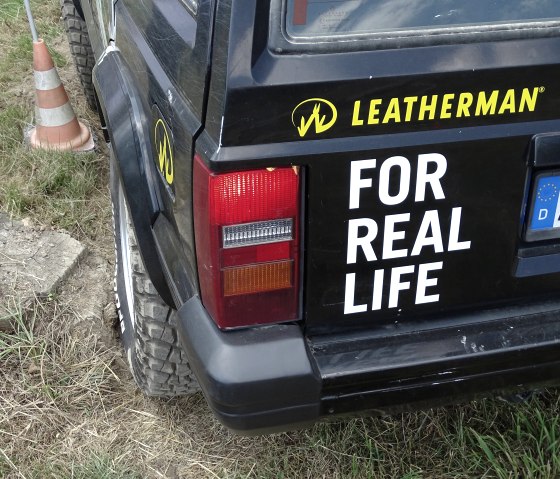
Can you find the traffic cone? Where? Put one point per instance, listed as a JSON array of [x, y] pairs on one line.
[[57, 127]]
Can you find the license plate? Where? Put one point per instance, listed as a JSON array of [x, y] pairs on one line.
[[544, 212]]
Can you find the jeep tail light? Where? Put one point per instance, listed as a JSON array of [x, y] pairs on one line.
[[247, 243]]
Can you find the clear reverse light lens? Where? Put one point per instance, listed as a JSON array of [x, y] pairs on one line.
[[249, 234]]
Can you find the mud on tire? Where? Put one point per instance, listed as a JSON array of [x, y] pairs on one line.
[[148, 326], [80, 48]]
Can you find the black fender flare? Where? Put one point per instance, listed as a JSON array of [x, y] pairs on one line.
[[128, 130], [79, 9]]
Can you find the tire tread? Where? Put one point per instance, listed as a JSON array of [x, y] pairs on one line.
[[161, 367], [149, 336], [80, 48]]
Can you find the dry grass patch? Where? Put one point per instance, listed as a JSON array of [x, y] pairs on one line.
[[50, 389], [68, 408]]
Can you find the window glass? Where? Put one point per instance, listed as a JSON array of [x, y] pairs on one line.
[[312, 18]]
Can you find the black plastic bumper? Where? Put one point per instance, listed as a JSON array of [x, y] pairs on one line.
[[273, 378], [256, 380]]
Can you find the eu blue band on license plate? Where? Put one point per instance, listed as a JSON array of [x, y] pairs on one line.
[[546, 207]]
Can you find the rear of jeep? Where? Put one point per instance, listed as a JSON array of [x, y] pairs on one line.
[[365, 211]]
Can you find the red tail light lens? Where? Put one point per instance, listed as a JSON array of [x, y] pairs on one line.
[[247, 237]]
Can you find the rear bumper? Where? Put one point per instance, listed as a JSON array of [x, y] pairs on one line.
[[273, 378], [255, 380]]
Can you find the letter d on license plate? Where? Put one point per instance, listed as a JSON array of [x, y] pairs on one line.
[[544, 209]]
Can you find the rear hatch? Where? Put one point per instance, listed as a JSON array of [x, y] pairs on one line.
[[431, 185]]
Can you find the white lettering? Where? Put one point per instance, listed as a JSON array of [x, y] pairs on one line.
[[377, 289], [384, 180], [364, 242], [430, 222], [349, 306], [425, 282], [390, 236], [424, 178], [357, 182], [396, 285], [454, 243], [543, 214], [394, 186]]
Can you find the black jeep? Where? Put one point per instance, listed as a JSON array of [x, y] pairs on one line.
[[330, 207]]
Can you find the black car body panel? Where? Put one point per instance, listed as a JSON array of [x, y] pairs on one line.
[[131, 146], [424, 277], [160, 94]]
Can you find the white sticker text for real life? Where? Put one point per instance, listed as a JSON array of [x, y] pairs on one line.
[[420, 278]]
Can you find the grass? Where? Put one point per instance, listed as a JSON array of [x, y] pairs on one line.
[[60, 190], [50, 391], [69, 408]]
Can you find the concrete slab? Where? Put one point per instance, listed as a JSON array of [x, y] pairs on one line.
[[88, 290], [33, 262]]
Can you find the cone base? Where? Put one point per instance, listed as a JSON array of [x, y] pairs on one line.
[[82, 142]]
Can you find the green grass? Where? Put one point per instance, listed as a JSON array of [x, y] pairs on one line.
[[52, 187], [95, 467], [62, 190], [486, 438], [529, 447], [11, 11], [17, 49]]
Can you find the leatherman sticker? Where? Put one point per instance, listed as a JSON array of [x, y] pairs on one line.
[[421, 278], [318, 113], [163, 150], [314, 116]]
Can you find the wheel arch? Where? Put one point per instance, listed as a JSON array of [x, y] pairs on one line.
[[126, 121], [78, 5]]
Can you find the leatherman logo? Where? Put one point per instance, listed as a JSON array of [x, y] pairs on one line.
[[164, 151], [316, 112], [446, 106]]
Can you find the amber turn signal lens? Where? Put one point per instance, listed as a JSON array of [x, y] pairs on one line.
[[257, 278]]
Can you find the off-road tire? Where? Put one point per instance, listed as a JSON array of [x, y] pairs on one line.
[[80, 48], [148, 325]]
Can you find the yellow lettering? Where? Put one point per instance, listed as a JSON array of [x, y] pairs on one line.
[[393, 112], [509, 103], [487, 106], [426, 107], [446, 106], [410, 101], [528, 100], [356, 121], [465, 102], [374, 112], [431, 107]]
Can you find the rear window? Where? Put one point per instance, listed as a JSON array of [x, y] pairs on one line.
[[338, 18]]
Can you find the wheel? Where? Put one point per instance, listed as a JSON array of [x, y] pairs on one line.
[[80, 48], [148, 326]]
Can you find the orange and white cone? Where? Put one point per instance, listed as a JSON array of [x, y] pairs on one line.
[[57, 127]]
